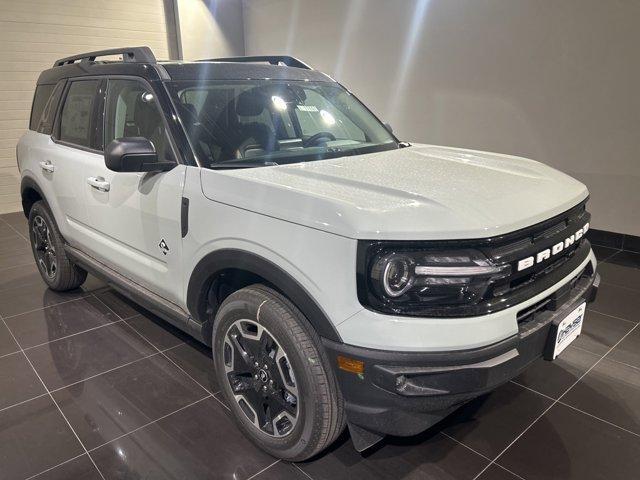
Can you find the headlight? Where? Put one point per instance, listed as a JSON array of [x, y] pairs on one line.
[[414, 281]]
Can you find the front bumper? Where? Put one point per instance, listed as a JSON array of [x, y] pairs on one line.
[[404, 393]]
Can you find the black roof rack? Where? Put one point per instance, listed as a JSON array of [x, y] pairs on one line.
[[272, 59], [129, 54]]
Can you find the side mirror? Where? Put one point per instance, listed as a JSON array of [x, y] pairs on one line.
[[388, 127], [134, 154]]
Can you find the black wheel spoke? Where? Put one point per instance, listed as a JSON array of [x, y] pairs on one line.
[[43, 247], [240, 350], [266, 396]]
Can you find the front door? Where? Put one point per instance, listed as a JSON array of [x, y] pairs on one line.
[[135, 217]]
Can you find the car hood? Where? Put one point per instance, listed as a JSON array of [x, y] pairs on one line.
[[422, 192]]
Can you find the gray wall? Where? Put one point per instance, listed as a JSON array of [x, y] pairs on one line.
[[210, 28], [557, 81]]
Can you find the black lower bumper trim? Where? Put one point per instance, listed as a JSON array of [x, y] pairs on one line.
[[404, 393]]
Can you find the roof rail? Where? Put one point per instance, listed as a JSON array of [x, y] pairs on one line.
[[129, 54], [272, 59]]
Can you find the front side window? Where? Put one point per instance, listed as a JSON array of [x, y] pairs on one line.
[[77, 111], [239, 124], [132, 111]]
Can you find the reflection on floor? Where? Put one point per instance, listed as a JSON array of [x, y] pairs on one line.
[[93, 387]]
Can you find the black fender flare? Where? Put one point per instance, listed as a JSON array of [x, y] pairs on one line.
[[219, 260], [29, 182]]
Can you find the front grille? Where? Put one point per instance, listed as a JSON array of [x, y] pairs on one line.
[[532, 241]]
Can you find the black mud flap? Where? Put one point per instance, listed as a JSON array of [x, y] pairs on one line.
[[361, 438]]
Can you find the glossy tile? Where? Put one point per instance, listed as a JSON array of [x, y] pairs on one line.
[[18, 382], [628, 350], [610, 391], [117, 402], [602, 253], [159, 332], [195, 359], [58, 321], [121, 305], [15, 301], [19, 277], [16, 257], [632, 243], [280, 471], [78, 357], [605, 238], [489, 423], [80, 468], [199, 442], [33, 438], [8, 233], [627, 259], [553, 378], [566, 444], [429, 455], [601, 332], [15, 218], [622, 270], [7, 343], [617, 301], [495, 472]]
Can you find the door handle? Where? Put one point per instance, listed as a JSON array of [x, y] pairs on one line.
[[99, 183], [47, 166]]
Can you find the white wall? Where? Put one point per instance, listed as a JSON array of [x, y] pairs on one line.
[[557, 81], [34, 34], [210, 28]]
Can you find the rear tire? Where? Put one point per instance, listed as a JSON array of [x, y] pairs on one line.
[[261, 325], [57, 271]]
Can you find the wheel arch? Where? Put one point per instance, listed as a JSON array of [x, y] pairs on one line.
[[215, 264], [30, 193]]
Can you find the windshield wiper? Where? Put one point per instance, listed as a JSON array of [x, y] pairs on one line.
[[242, 164]]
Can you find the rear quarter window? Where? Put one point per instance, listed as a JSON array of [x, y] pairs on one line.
[[75, 119], [40, 99]]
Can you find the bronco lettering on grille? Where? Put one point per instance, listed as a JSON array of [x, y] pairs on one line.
[[547, 253]]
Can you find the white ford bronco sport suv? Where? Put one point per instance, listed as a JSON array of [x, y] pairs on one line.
[[341, 277]]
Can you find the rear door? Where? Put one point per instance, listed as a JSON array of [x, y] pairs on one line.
[[74, 144], [135, 217]]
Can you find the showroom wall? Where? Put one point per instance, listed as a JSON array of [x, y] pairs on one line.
[[34, 33], [211, 28], [555, 81]]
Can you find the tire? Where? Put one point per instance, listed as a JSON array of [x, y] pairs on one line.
[[47, 246], [305, 371]]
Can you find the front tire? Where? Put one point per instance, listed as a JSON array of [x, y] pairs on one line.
[[275, 376], [47, 245]]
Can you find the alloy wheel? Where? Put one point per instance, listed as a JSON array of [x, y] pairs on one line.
[[261, 378], [44, 247]]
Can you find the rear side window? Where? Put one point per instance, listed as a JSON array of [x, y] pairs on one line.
[[45, 124], [40, 99], [75, 119]]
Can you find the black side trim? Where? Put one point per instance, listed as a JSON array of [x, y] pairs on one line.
[[184, 217], [166, 310], [218, 261]]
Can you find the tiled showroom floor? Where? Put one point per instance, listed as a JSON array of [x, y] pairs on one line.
[[93, 387]]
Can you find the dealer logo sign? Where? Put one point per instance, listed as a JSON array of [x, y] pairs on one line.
[[547, 253]]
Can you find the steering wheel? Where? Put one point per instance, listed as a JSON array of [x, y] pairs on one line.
[[314, 138]]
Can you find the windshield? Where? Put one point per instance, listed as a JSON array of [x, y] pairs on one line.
[[256, 123]]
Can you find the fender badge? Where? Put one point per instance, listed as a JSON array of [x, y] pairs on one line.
[[164, 248]]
